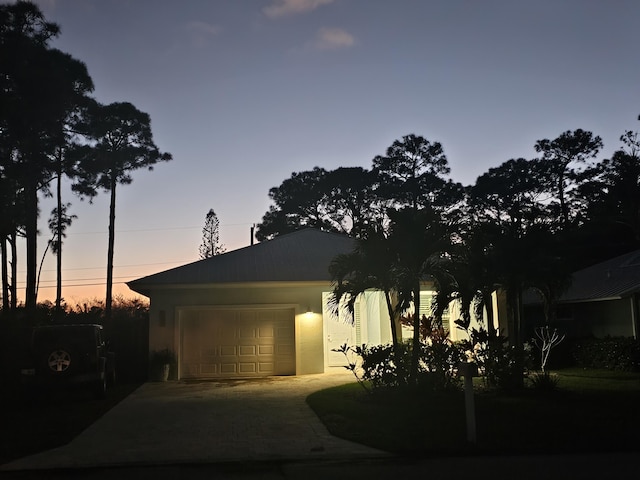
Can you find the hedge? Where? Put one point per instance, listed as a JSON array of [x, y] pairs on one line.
[[609, 353]]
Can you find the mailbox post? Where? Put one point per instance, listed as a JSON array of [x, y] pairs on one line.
[[468, 370]]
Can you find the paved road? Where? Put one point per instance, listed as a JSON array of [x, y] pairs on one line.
[[569, 467]]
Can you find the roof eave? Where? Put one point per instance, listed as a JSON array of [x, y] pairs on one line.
[[147, 287]]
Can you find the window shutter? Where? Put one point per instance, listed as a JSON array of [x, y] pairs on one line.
[[357, 321]]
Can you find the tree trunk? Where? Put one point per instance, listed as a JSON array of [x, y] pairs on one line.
[[415, 351], [395, 337], [31, 234], [488, 305], [5, 273], [59, 243], [392, 318], [563, 205], [13, 287], [110, 249]]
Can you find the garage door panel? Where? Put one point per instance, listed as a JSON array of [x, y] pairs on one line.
[[266, 368], [247, 367], [266, 332], [284, 349], [238, 342], [228, 368], [228, 351], [285, 332], [248, 350], [266, 349], [247, 332], [245, 315]]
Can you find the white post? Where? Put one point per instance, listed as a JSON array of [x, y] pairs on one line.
[[468, 370], [470, 408], [634, 316]]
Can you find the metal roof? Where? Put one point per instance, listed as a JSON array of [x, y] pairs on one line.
[[300, 256], [615, 278]]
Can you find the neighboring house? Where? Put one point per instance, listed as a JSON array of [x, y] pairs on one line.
[[259, 310], [601, 301]]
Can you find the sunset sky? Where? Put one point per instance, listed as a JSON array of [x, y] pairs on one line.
[[244, 92]]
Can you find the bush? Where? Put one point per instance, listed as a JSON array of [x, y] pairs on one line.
[[439, 361], [544, 381], [383, 367], [502, 365], [621, 354]]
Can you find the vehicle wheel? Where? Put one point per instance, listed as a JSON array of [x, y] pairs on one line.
[[59, 361]]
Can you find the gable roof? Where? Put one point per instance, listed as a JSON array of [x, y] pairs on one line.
[[300, 256], [612, 279]]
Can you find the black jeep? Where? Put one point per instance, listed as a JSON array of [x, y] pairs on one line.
[[70, 355]]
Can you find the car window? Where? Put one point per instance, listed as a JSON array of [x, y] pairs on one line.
[[47, 336]]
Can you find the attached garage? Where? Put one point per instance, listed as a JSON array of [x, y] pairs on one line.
[[237, 342], [255, 311]]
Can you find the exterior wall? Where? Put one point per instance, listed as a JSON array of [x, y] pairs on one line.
[[378, 326], [456, 334], [306, 300], [369, 326], [613, 318], [600, 319]]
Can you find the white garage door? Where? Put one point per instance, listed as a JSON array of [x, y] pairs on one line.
[[229, 343]]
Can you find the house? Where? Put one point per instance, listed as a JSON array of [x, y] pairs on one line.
[[259, 310], [601, 301]]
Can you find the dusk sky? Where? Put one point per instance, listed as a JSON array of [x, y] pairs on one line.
[[244, 92]]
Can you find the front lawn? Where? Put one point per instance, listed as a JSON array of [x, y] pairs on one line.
[[590, 411], [49, 419]]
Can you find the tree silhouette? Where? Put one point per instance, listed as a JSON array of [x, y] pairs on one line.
[[412, 173], [210, 245], [59, 221], [567, 150], [340, 200], [120, 142], [40, 90]]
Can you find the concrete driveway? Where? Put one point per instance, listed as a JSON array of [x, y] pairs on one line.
[[177, 422]]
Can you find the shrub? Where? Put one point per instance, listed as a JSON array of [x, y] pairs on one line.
[[439, 360], [609, 353], [502, 365], [544, 381], [383, 367]]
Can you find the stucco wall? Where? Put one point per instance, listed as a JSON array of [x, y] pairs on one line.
[[601, 319]]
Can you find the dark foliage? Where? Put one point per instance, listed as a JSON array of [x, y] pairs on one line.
[[610, 353], [127, 333]]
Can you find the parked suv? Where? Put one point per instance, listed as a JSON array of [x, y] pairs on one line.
[[70, 355]]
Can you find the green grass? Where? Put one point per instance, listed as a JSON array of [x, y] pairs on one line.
[[590, 411], [49, 419]]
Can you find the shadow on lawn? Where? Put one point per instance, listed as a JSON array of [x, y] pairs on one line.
[[579, 417], [44, 419]]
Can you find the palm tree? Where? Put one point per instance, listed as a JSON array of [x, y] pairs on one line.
[[371, 265], [421, 239]]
